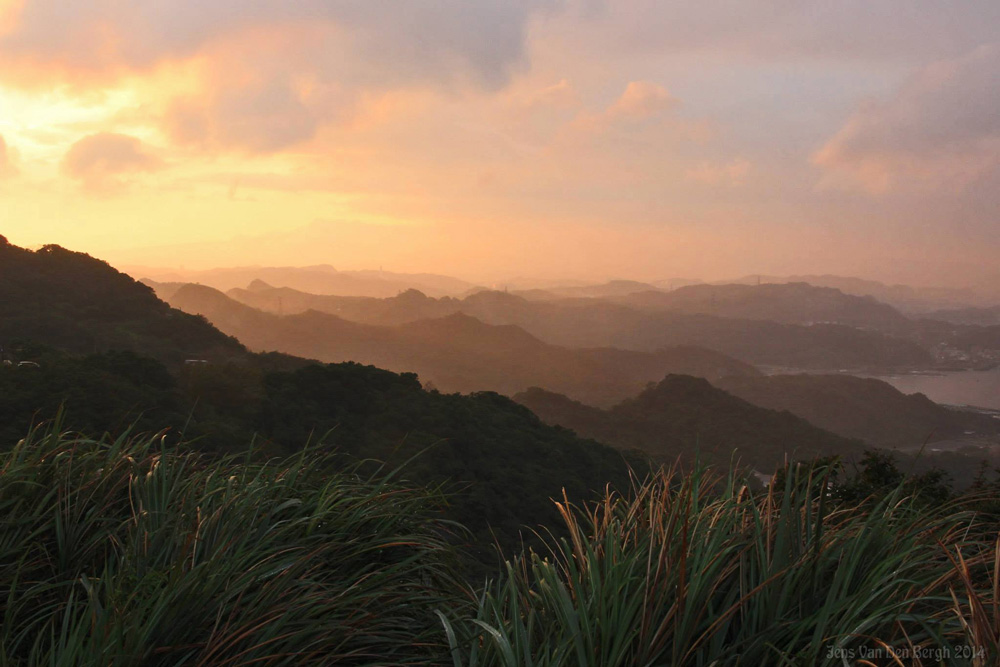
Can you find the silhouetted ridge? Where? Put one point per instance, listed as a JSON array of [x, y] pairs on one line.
[[864, 408], [74, 302], [686, 417]]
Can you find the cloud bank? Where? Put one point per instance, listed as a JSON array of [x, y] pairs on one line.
[[942, 130]]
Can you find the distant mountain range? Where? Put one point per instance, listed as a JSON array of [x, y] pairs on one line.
[[826, 335], [988, 317], [914, 300], [456, 352], [790, 303], [321, 279]]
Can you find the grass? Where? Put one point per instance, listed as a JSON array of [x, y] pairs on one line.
[[696, 570], [119, 551]]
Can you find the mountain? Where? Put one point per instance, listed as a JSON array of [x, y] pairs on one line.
[[321, 279], [687, 417], [613, 288], [163, 291], [647, 321], [914, 300], [457, 352], [862, 408], [502, 464], [408, 306], [586, 323], [74, 302], [791, 303], [973, 316]]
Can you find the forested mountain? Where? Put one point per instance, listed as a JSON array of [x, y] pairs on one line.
[[502, 463], [72, 301], [458, 352], [684, 416], [862, 408]]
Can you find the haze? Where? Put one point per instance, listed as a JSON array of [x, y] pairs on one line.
[[501, 138]]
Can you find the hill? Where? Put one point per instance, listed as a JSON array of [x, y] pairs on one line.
[[74, 302], [828, 337], [686, 417], [408, 306], [791, 303], [862, 408], [587, 323], [457, 352], [973, 316], [910, 299], [502, 462], [321, 279]]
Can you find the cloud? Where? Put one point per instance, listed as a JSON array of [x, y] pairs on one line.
[[940, 130], [644, 113], [732, 173], [411, 39], [642, 100], [271, 74], [263, 116], [778, 29], [100, 160], [7, 168]]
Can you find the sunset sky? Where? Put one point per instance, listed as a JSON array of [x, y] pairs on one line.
[[497, 138]]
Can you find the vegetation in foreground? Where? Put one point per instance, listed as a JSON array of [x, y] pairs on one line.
[[125, 552], [693, 570], [119, 552]]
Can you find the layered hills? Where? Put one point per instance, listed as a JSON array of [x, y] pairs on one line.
[[828, 336], [103, 348], [457, 352]]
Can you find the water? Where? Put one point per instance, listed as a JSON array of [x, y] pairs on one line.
[[976, 388]]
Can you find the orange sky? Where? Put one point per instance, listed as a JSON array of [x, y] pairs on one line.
[[488, 139]]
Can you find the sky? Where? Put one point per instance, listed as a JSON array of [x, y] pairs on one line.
[[595, 139]]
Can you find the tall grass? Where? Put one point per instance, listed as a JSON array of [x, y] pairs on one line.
[[119, 552], [697, 570]]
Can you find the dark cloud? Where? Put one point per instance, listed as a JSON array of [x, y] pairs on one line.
[[100, 159]]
